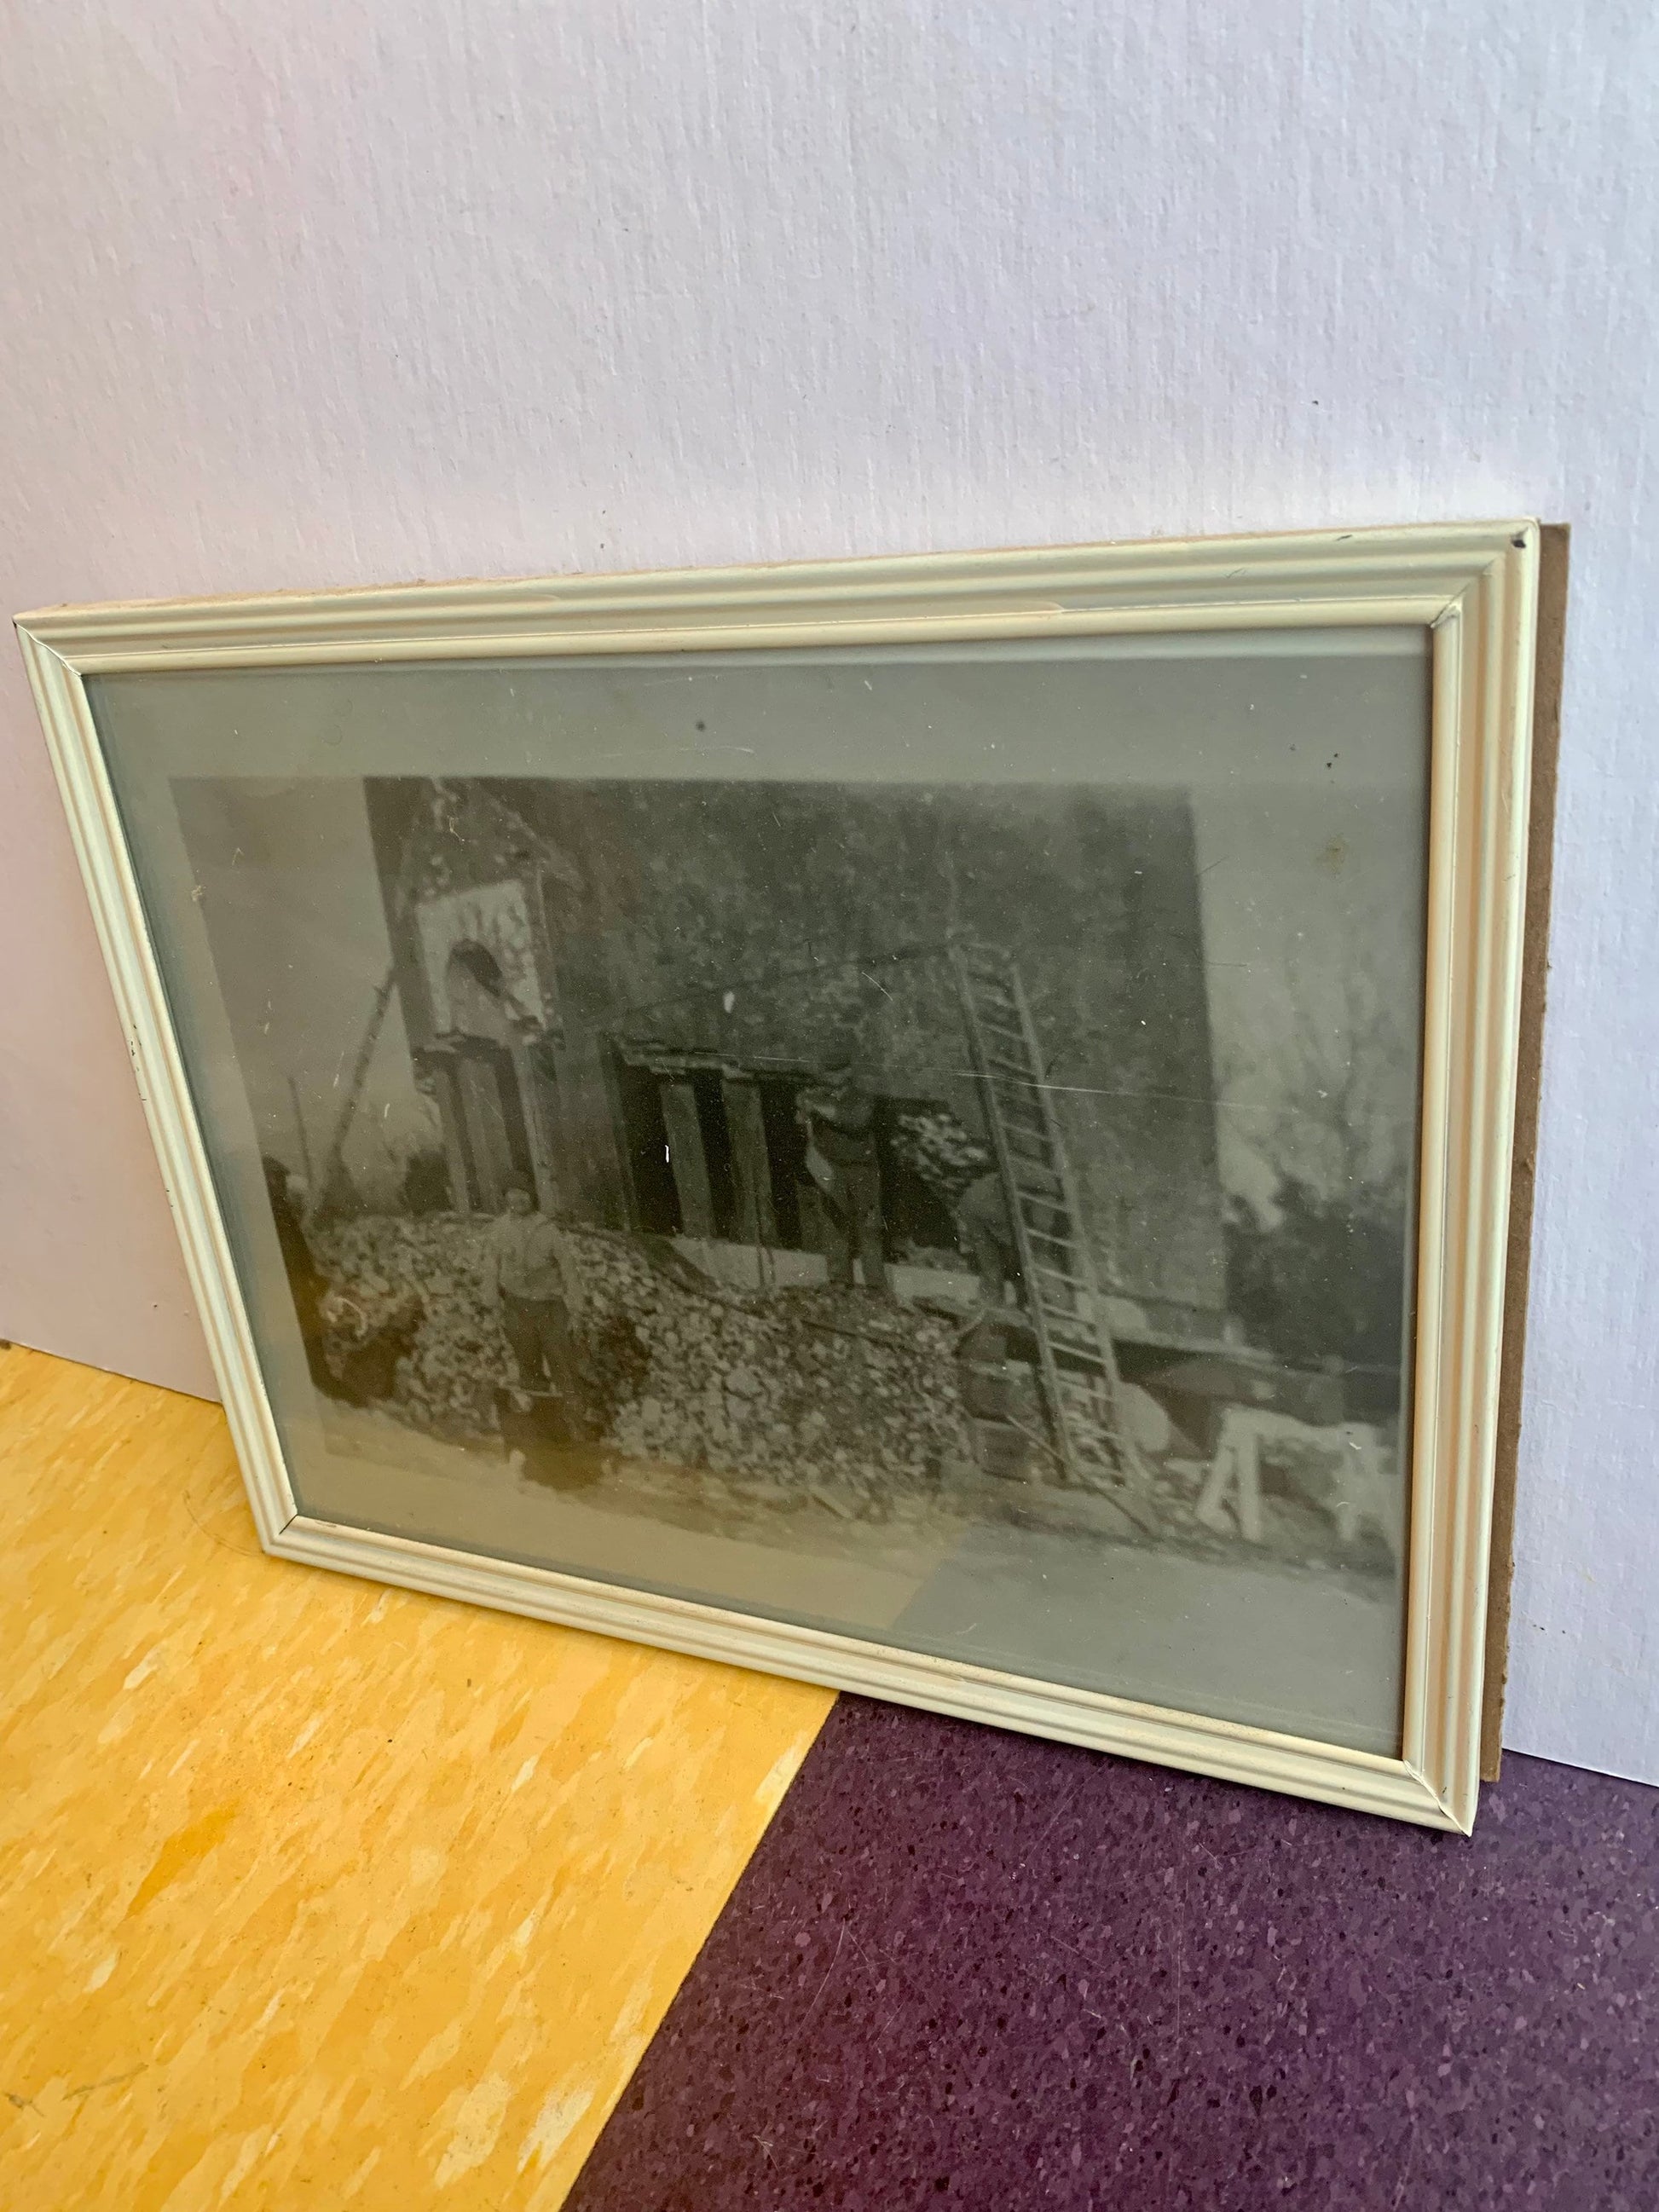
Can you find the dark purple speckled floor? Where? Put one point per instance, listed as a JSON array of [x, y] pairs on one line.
[[966, 1968]]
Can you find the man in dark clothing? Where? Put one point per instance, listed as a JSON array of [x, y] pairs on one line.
[[986, 1236], [840, 1121], [532, 1271], [544, 1440]]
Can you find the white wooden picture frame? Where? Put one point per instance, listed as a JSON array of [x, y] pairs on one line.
[[1470, 588]]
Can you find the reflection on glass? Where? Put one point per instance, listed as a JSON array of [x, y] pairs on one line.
[[963, 1200]]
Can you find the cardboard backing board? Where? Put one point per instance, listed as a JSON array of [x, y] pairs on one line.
[[1545, 747]]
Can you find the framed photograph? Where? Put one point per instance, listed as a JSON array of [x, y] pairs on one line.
[[940, 1126]]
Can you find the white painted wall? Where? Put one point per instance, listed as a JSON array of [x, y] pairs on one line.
[[334, 295]]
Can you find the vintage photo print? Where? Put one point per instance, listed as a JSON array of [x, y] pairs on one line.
[[918, 1141]]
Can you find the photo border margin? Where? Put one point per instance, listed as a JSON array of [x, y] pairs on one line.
[[1473, 585]]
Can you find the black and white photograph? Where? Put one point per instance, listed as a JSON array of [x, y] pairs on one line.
[[919, 1141]]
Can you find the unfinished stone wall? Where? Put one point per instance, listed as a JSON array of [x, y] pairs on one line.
[[808, 1387]]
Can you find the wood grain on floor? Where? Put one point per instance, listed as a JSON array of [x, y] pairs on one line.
[[313, 1892]]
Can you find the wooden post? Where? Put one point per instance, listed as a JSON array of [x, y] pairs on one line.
[[686, 1157], [548, 1193], [302, 1133], [752, 1169], [333, 1156], [447, 1092], [1249, 1486]]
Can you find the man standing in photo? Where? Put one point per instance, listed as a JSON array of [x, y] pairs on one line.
[[532, 1275], [839, 1118], [985, 1235]]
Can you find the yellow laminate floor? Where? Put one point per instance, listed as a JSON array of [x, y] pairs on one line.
[[314, 1892]]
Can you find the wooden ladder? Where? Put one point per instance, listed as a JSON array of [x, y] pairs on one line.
[[1081, 1385]]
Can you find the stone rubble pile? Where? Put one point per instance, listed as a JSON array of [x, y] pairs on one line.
[[821, 1386]]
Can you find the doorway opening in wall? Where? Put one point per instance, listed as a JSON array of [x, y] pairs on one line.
[[494, 1138], [714, 1150], [496, 1142]]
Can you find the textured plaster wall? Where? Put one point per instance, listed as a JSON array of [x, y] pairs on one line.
[[322, 295]]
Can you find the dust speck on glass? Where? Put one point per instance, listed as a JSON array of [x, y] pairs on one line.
[[916, 1141]]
